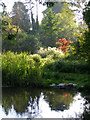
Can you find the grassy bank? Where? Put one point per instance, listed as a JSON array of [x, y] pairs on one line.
[[42, 69]]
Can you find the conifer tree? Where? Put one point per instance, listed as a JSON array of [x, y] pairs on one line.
[[20, 16]]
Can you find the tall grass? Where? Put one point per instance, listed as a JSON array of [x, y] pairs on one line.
[[37, 69], [21, 69]]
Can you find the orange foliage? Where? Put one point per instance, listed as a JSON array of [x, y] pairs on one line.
[[65, 95], [63, 44]]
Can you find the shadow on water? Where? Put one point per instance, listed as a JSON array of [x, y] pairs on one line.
[[42, 103]]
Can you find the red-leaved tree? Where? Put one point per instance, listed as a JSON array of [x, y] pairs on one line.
[[63, 44]]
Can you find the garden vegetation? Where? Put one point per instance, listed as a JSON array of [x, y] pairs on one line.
[[55, 51], [40, 70]]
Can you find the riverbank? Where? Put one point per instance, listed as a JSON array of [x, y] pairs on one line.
[[41, 70]]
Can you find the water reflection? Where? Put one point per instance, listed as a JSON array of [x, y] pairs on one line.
[[26, 103], [59, 101]]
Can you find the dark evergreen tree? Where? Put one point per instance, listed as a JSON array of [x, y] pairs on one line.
[[20, 16], [37, 22], [34, 21], [86, 14]]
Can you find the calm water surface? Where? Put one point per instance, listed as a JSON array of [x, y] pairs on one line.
[[41, 103]]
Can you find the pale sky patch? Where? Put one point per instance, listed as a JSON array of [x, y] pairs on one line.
[[10, 3], [41, 8]]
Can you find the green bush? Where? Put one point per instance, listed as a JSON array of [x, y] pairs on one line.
[[30, 43], [70, 67], [31, 69], [20, 69], [25, 42], [36, 58], [11, 45]]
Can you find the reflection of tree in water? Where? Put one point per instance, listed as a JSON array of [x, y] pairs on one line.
[[59, 100], [86, 113], [27, 100], [20, 99]]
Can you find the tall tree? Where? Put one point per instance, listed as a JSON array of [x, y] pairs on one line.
[[9, 32], [66, 26], [56, 8], [49, 34], [77, 6], [58, 24], [32, 4], [37, 23], [86, 14], [86, 42], [20, 16], [83, 48]]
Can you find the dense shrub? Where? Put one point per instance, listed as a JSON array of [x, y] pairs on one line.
[[30, 43], [50, 51], [22, 42], [12, 45], [20, 69], [69, 66], [31, 69]]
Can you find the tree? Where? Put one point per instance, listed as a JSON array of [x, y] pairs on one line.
[[58, 24], [86, 36], [77, 8], [34, 21], [63, 44], [49, 34], [86, 14], [30, 43], [83, 45], [56, 8], [20, 16], [66, 26], [3, 21], [47, 3], [9, 33], [37, 23]]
